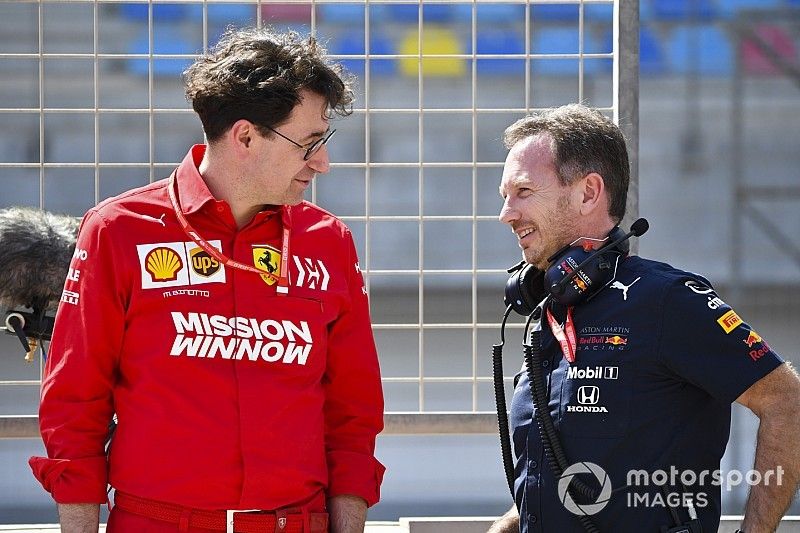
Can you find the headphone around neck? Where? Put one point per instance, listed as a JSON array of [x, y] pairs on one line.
[[576, 272]]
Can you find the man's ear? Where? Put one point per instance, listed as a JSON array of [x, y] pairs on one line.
[[592, 190], [241, 134]]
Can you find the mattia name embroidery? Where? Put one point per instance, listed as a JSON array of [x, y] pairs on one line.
[[238, 337]]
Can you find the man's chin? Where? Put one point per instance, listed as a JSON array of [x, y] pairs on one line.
[[535, 259]]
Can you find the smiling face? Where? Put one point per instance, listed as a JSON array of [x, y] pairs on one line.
[[541, 211], [279, 173]]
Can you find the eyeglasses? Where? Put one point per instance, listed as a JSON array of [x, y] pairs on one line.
[[311, 148]]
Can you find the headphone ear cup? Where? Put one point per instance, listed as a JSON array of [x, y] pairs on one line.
[[592, 277], [525, 289]]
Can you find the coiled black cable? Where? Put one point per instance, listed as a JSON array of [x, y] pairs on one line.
[[502, 411], [547, 431]]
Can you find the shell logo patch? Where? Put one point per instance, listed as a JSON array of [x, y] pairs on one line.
[[268, 259], [202, 263], [178, 264], [729, 321], [163, 264]]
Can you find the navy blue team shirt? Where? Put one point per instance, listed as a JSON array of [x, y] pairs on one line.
[[660, 358]]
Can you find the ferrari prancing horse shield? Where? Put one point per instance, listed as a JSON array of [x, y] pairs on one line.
[[268, 259]]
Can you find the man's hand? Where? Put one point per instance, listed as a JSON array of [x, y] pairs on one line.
[[348, 514], [508, 523], [774, 399], [79, 517]]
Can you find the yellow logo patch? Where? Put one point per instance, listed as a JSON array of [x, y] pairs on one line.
[[163, 264], [268, 259], [202, 263], [729, 321]]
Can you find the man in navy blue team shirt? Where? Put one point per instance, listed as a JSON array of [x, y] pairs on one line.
[[659, 357]]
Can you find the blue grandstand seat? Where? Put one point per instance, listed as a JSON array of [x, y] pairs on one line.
[[729, 8], [354, 44], [409, 13], [651, 54], [353, 13], [500, 42], [558, 40], [165, 41], [554, 12], [683, 9], [598, 12], [645, 11], [704, 49], [223, 14], [161, 12], [437, 12], [570, 12], [403, 12], [342, 13], [490, 13], [652, 60]]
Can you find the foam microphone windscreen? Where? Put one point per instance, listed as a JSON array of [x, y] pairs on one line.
[[36, 248], [640, 227]]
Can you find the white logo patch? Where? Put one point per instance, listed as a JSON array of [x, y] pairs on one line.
[[70, 297], [208, 336], [311, 273], [159, 220], [597, 372], [624, 288], [168, 264], [588, 397]]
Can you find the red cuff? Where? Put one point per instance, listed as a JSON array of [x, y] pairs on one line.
[[73, 480], [355, 474]]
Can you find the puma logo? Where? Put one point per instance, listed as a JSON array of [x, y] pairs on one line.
[[159, 220], [624, 288]]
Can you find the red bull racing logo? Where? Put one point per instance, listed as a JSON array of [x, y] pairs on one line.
[[752, 338], [617, 340], [603, 342], [751, 341]]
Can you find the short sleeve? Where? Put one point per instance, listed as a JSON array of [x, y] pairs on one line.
[[705, 342]]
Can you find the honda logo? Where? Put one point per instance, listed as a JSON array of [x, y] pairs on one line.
[[588, 395]]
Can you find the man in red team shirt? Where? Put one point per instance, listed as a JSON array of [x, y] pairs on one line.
[[224, 321]]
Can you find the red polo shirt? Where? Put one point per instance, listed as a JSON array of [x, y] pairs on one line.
[[228, 395]]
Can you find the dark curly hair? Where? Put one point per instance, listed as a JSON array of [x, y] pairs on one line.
[[257, 74], [583, 141]]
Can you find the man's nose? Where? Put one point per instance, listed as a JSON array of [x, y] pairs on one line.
[[508, 214], [320, 162]]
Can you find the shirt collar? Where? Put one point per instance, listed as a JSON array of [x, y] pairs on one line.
[[192, 189]]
